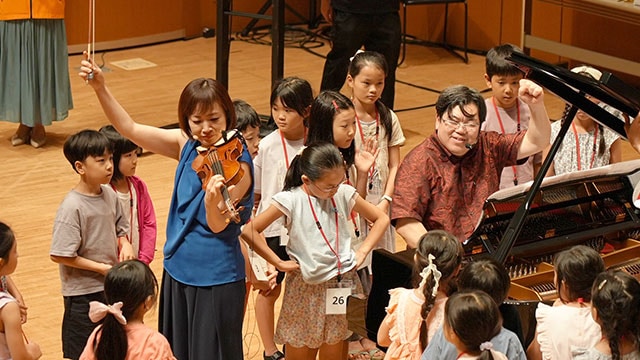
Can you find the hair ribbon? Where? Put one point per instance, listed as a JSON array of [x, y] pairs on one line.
[[98, 311], [431, 268], [487, 345]]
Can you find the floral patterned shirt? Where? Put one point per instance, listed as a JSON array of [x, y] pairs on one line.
[[447, 192]]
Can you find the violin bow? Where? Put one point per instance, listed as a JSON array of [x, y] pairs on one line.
[[91, 39]]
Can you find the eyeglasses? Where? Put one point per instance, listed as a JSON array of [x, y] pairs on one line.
[[468, 125], [329, 189]]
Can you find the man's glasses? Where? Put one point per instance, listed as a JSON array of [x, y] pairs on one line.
[[468, 125]]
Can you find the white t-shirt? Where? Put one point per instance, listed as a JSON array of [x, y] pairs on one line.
[[560, 328], [307, 246], [129, 204], [270, 168], [509, 118]]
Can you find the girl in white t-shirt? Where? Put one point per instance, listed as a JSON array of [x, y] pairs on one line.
[[316, 205]]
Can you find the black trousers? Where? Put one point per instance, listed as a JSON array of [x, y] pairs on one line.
[[202, 323], [76, 325], [380, 32]]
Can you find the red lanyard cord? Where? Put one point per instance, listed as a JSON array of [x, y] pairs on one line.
[[495, 107], [593, 153], [353, 215], [373, 167], [284, 148], [335, 251]]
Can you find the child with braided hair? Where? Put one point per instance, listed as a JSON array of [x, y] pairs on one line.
[[414, 315], [615, 300]]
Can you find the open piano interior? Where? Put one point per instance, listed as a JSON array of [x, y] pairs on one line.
[[593, 207]]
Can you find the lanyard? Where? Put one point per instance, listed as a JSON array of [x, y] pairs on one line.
[[130, 235], [353, 215], [495, 107], [336, 252], [593, 153], [284, 148], [373, 167]]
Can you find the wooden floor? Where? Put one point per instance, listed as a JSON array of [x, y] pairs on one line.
[[36, 180]]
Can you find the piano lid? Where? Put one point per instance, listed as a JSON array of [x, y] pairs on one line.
[[573, 87]]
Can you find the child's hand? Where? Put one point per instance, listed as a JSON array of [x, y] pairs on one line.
[[367, 154], [531, 93], [126, 250], [90, 72], [361, 256], [23, 310], [287, 266], [104, 269], [265, 287], [34, 350]]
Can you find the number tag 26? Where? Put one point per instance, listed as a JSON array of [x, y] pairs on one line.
[[336, 300]]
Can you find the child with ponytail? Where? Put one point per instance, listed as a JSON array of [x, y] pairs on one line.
[[414, 315], [130, 288], [316, 205], [615, 300], [472, 319]]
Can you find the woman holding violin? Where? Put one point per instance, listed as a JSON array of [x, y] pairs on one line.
[[202, 295]]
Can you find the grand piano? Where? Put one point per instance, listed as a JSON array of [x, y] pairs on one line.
[[524, 226]]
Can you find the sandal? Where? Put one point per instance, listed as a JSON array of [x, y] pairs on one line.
[[359, 355], [376, 354], [275, 356]]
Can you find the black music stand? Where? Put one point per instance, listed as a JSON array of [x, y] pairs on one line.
[[573, 88]]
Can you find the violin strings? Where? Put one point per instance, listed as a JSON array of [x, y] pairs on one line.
[[217, 168]]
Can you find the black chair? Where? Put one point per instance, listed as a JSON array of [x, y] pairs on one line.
[[390, 270], [444, 44]]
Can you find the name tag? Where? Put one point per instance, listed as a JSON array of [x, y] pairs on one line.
[[336, 301]]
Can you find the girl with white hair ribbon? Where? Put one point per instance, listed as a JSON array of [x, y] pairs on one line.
[[414, 315]]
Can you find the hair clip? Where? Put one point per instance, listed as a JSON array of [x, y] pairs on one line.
[[356, 54], [601, 285], [487, 345], [335, 105]]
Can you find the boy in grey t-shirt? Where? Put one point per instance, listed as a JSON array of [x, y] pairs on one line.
[[88, 236]]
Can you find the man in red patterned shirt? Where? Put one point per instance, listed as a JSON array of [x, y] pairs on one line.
[[443, 182]]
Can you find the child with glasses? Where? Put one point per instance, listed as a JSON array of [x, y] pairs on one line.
[[444, 181], [316, 206]]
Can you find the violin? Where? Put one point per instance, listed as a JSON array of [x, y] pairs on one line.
[[222, 159]]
